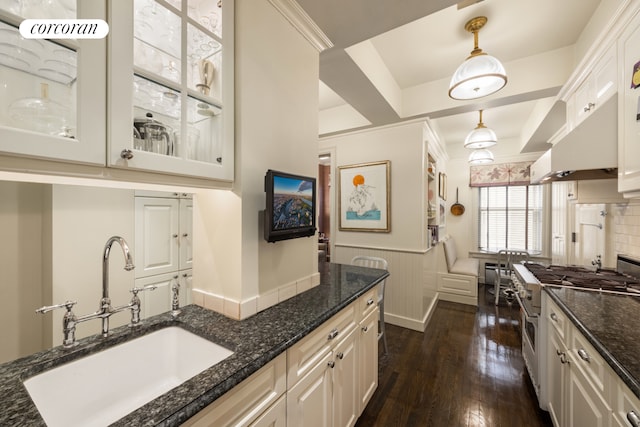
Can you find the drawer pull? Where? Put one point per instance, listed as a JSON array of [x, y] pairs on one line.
[[331, 364], [334, 333], [370, 301], [554, 317], [633, 418], [584, 355]]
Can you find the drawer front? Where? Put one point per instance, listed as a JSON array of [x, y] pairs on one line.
[[241, 405], [368, 302], [591, 364], [557, 319], [306, 353], [626, 405]]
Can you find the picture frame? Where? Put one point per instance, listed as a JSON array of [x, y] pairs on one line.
[[364, 197], [442, 186]]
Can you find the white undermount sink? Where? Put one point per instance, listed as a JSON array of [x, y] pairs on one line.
[[104, 387]]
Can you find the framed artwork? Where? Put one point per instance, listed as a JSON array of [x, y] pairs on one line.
[[364, 194], [442, 186]]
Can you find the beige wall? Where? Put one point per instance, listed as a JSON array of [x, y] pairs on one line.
[[22, 289]]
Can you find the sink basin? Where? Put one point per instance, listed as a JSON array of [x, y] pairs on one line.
[[104, 387]]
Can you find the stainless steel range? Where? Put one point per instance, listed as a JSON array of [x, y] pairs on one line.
[[530, 278]]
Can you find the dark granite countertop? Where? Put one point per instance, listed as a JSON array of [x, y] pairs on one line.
[[255, 341], [609, 321]]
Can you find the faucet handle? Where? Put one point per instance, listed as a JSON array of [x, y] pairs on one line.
[[67, 304], [135, 290]]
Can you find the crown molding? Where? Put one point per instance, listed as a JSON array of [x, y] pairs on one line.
[[302, 22]]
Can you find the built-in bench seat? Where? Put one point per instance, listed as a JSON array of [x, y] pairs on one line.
[[457, 277]]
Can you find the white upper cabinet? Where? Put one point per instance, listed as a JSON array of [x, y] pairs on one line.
[[629, 110], [52, 97], [170, 86], [598, 87]]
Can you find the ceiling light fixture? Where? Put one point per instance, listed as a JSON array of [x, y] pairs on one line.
[[481, 136], [480, 74], [480, 157]]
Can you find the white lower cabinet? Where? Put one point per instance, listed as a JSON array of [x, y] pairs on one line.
[[324, 380], [580, 383], [257, 401]]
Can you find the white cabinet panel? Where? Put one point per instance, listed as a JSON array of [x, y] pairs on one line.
[[157, 235], [309, 401], [368, 356]]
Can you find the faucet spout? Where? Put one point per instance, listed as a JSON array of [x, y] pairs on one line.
[[105, 309], [105, 261]]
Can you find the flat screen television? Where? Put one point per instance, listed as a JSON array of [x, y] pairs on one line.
[[291, 206]]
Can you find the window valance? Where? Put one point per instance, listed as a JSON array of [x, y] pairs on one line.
[[500, 174]]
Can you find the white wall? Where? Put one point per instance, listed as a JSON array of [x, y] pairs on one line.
[[276, 128], [404, 247]]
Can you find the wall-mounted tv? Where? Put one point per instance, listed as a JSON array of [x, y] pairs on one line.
[[291, 206]]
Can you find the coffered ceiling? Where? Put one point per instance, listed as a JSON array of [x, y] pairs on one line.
[[392, 60]]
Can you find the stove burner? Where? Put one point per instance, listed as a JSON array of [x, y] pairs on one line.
[[608, 280]]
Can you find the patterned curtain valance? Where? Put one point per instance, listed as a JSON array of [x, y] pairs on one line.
[[500, 174]]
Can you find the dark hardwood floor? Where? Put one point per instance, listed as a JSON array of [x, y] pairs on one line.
[[465, 370]]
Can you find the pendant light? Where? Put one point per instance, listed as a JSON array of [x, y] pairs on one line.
[[480, 156], [481, 136], [480, 74]]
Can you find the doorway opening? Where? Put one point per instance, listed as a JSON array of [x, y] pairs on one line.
[[324, 207]]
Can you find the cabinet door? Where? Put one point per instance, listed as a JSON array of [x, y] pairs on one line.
[[185, 239], [555, 377], [585, 407], [345, 381], [157, 233], [158, 300], [275, 416], [583, 101], [309, 402], [368, 365], [629, 111], [44, 83], [171, 87]]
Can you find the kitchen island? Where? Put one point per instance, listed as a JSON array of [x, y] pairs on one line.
[[609, 322], [255, 341]]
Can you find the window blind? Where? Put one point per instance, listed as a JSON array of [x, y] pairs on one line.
[[510, 217]]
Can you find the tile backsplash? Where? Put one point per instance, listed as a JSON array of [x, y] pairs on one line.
[[626, 227]]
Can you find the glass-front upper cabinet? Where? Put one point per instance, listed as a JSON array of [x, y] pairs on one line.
[[171, 87], [43, 82]]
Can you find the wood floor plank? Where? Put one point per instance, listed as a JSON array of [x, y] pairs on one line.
[[465, 370]]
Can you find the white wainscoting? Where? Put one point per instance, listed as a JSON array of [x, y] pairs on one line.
[[411, 293]]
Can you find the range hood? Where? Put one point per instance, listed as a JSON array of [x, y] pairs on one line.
[[589, 151]]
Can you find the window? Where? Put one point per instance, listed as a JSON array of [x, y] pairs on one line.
[[511, 217]]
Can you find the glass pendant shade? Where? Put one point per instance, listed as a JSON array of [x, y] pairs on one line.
[[480, 74], [481, 136], [480, 157]]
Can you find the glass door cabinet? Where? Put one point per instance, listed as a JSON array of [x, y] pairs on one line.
[[170, 81], [43, 83]]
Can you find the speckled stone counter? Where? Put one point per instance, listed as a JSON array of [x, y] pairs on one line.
[[610, 323], [255, 341]]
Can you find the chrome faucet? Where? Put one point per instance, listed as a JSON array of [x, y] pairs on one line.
[[175, 297], [105, 310]]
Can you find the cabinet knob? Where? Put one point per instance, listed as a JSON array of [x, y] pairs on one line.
[[633, 418], [554, 317], [331, 364], [175, 236], [584, 355], [563, 358], [333, 334], [370, 301], [185, 235], [365, 329], [126, 154], [340, 355], [588, 107]]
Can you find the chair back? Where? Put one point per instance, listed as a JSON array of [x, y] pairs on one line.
[[509, 257], [372, 262]]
